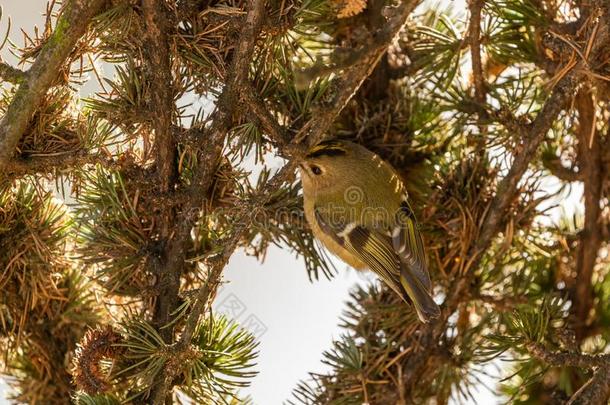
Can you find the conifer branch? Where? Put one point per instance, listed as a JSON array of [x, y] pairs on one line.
[[345, 87], [70, 27], [11, 74], [507, 188], [210, 155], [237, 87], [506, 192]]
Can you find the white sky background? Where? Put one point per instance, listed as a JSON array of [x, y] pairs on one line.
[[296, 319]]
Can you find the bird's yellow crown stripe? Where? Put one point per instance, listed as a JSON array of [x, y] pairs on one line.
[[326, 146]]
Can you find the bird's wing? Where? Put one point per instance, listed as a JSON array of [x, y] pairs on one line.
[[408, 244], [398, 259], [372, 247]]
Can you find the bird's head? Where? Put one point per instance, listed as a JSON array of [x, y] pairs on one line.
[[328, 163]]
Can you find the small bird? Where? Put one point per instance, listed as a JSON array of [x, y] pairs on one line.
[[356, 205]]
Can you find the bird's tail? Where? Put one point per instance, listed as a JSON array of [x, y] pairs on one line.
[[421, 298]]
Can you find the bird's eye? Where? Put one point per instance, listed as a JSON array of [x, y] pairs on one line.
[[316, 170]]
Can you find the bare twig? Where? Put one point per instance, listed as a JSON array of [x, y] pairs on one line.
[[70, 27], [11, 74], [474, 33]]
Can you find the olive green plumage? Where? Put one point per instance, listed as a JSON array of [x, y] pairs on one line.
[[356, 205]]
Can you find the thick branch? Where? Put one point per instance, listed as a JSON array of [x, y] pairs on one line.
[[11, 74], [161, 104], [590, 163], [162, 98], [596, 391], [70, 27], [563, 359]]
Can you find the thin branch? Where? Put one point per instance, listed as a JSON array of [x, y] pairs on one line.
[[48, 164], [70, 27], [560, 171], [278, 135], [217, 264], [474, 33], [504, 304], [478, 78], [343, 58], [11, 74]]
